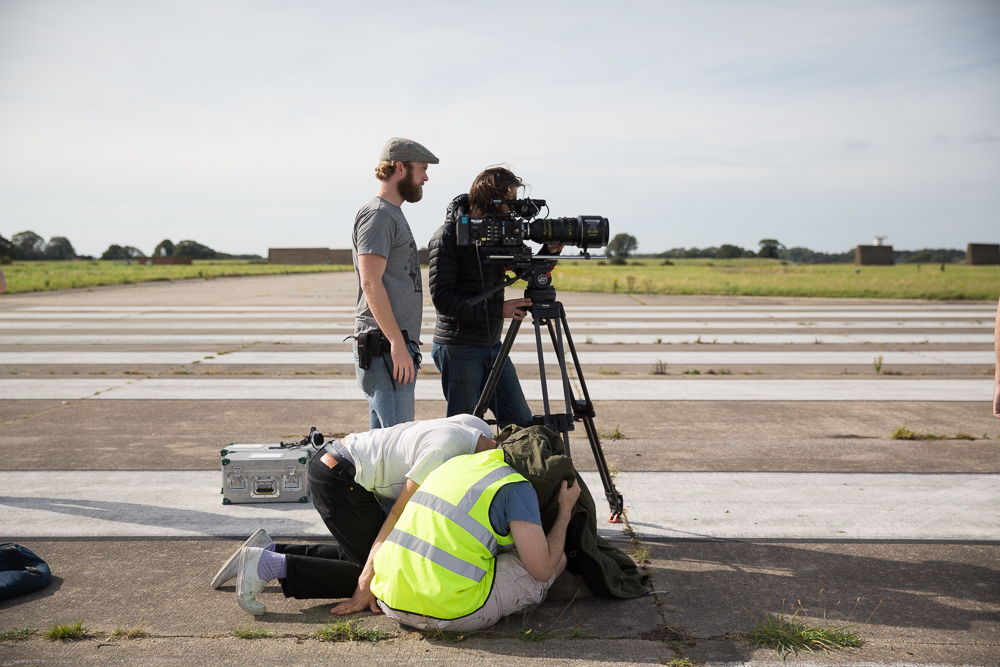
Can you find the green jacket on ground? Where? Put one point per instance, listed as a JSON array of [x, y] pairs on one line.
[[539, 455]]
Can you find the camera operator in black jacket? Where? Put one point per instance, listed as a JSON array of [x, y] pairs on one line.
[[467, 338]]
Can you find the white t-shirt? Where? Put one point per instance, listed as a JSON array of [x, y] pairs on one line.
[[385, 457]]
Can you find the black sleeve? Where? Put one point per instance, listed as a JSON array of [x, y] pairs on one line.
[[444, 279]]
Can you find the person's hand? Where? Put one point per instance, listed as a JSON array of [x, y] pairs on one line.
[[359, 601], [402, 364], [996, 399], [554, 248], [512, 308], [568, 494]]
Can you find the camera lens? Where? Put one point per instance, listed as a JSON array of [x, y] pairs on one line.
[[584, 231]]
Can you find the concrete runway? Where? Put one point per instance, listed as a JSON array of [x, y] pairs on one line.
[[773, 483]]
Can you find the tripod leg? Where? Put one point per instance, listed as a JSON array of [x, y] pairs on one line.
[[584, 411], [498, 364]]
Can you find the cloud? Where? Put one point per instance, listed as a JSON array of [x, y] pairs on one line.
[[857, 146], [983, 137]]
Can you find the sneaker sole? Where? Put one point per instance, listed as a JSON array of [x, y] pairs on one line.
[[228, 571], [248, 607]]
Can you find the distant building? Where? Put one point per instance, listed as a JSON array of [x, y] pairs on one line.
[[982, 253], [874, 255]]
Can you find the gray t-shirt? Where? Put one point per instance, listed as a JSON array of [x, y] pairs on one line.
[[381, 229]]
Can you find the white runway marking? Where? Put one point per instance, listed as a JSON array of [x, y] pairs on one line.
[[103, 358], [659, 504], [250, 357], [525, 337], [428, 327], [429, 389], [812, 505]]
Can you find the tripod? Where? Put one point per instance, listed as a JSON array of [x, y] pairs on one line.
[[546, 310]]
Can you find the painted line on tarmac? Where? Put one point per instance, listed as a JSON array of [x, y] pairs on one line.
[[524, 338], [786, 317], [428, 328], [249, 357], [745, 505], [674, 389], [812, 505]]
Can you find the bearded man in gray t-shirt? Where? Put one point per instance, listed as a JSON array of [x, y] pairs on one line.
[[390, 294]]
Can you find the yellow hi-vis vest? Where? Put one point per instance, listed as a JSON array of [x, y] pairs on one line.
[[440, 559]]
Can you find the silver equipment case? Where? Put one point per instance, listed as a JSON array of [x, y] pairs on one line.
[[265, 474]]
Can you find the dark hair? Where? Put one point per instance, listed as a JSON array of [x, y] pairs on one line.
[[493, 183]]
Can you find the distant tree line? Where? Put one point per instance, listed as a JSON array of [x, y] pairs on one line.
[[29, 245], [771, 248]]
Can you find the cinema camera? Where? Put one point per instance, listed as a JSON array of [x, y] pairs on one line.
[[502, 235]]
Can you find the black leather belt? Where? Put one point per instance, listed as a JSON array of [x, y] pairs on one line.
[[344, 465]]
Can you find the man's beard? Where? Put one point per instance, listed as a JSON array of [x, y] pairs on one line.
[[410, 190]]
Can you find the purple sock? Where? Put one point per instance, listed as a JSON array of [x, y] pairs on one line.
[[272, 566]]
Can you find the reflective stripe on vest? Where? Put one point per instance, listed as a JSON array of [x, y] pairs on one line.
[[440, 559], [460, 513], [435, 555]]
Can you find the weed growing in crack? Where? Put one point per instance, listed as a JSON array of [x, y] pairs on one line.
[[877, 364], [659, 367], [540, 634], [251, 633], [130, 633], [67, 632], [613, 435], [17, 634], [350, 631], [787, 634]]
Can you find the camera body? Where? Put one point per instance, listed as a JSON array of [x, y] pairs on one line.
[[504, 234]]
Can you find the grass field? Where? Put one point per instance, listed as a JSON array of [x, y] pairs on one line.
[[771, 278], [696, 276], [40, 276]]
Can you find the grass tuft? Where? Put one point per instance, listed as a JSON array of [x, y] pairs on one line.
[[67, 632], [903, 433], [659, 367], [608, 371], [251, 633], [679, 662], [130, 633], [350, 631], [877, 364], [447, 636], [613, 435], [789, 635], [17, 634]]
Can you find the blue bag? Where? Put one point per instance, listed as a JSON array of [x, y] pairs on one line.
[[21, 571]]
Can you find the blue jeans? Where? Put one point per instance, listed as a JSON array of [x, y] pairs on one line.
[[464, 371], [387, 405]]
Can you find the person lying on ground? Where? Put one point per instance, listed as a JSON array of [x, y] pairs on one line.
[[353, 482]]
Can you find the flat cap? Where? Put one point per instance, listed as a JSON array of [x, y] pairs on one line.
[[399, 149]]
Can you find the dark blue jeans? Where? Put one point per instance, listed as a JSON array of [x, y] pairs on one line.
[[464, 371]]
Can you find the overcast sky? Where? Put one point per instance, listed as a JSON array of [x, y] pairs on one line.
[[247, 125]]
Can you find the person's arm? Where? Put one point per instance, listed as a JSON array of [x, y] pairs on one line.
[[444, 280], [542, 554], [363, 594], [996, 368], [370, 269]]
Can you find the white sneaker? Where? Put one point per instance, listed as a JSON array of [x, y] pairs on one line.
[[259, 539], [248, 584]]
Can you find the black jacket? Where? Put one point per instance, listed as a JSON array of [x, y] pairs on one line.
[[456, 274]]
